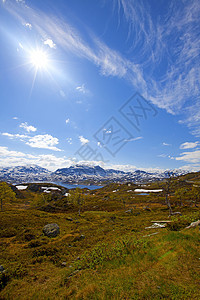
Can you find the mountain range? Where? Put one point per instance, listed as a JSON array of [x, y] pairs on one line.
[[79, 174]]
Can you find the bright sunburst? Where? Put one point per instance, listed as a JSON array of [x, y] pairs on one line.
[[39, 59]]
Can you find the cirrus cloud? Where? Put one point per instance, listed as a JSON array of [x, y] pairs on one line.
[[189, 145]]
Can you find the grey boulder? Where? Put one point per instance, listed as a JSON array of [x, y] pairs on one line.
[[51, 230]]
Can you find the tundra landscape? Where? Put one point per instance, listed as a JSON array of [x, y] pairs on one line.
[[120, 241]]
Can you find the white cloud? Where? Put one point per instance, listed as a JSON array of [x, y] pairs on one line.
[[165, 155], [10, 158], [50, 43], [69, 140], [166, 144], [15, 118], [191, 157], [83, 140], [82, 89], [4, 152], [28, 128], [14, 158], [191, 168], [134, 139], [67, 121], [28, 25], [189, 145], [62, 93], [45, 141], [15, 136]]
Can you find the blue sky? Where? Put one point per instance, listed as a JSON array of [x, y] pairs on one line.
[[114, 83]]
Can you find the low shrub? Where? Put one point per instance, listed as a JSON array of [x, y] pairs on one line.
[[181, 222]]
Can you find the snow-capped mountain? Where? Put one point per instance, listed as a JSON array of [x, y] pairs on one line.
[[27, 173], [79, 174], [83, 173]]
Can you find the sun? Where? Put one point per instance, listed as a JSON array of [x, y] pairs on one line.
[[39, 59]]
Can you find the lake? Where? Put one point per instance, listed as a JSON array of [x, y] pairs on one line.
[[81, 186]]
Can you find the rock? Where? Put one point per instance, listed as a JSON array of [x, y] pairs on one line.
[[69, 219], [129, 211], [1, 268], [64, 264], [79, 238], [51, 230], [147, 208]]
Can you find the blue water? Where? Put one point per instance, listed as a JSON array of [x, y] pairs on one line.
[[145, 194], [81, 186]]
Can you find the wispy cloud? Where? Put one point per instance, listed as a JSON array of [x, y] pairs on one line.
[[28, 128], [189, 145], [172, 38], [82, 89], [134, 139], [83, 140], [15, 136], [67, 121], [166, 144], [191, 157]]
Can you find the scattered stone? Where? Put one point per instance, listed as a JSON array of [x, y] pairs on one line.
[[136, 213], [129, 211], [51, 230], [69, 219], [64, 264], [79, 238], [72, 274], [1, 268], [147, 208]]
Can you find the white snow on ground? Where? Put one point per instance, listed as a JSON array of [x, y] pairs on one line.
[[67, 194], [21, 187], [129, 191], [50, 188], [146, 191]]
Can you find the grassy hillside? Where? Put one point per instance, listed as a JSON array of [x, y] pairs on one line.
[[105, 253]]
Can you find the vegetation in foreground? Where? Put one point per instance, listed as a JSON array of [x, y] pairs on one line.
[[104, 249]]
